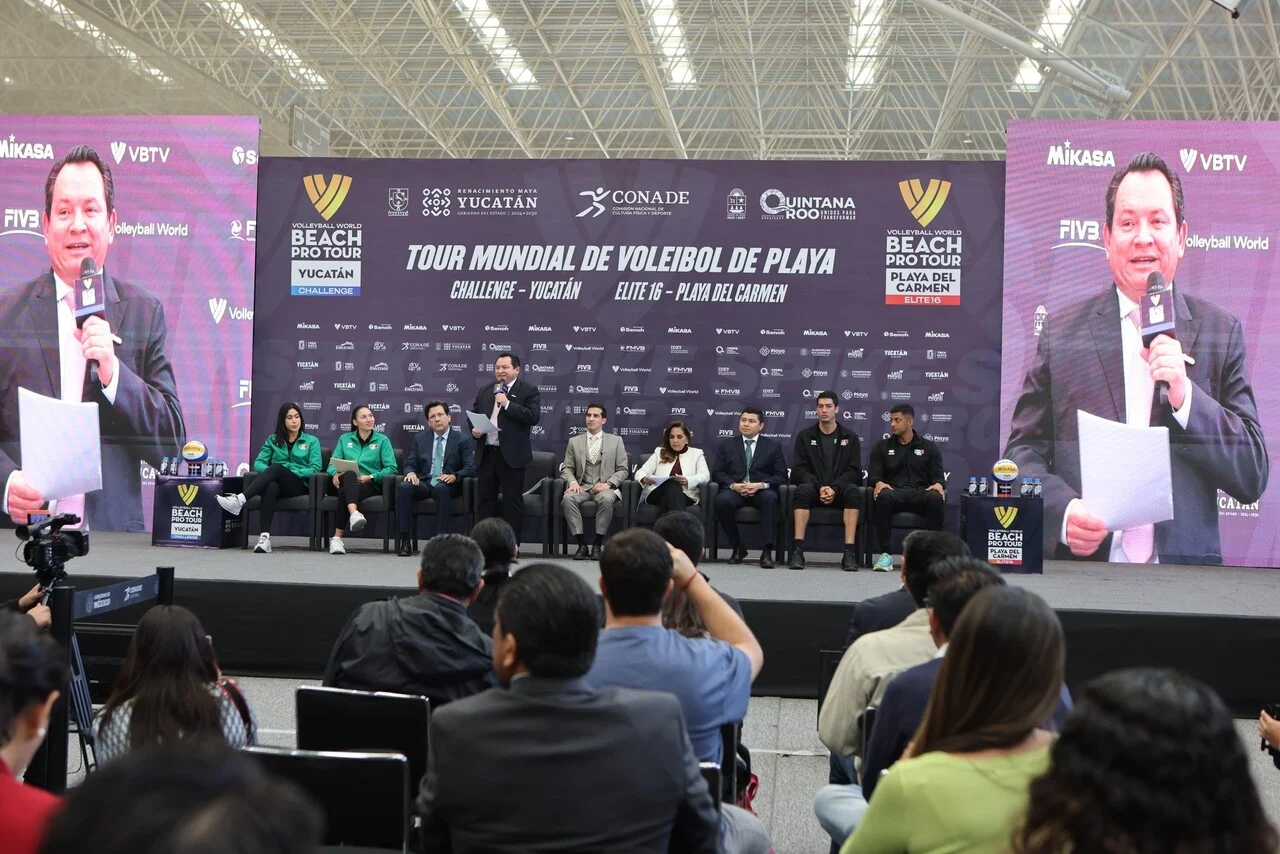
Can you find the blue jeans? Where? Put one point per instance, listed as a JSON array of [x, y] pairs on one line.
[[839, 809]]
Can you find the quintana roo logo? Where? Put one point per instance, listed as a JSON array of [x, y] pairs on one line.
[[327, 195], [187, 492], [1006, 515], [924, 202]]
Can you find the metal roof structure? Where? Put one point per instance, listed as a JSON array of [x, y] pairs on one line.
[[716, 79]]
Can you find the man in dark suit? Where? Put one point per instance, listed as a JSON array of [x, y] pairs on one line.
[[436, 465], [42, 349], [749, 470], [1215, 440], [515, 407], [827, 472], [549, 763], [880, 612]]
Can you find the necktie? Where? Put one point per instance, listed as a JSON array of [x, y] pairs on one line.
[[492, 438], [1138, 543], [71, 380], [437, 460], [593, 449], [751, 451]]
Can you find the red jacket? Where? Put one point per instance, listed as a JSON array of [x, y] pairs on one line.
[[24, 810]]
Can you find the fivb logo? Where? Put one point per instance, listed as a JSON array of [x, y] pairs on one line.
[[327, 195], [1212, 162], [187, 492], [924, 202]]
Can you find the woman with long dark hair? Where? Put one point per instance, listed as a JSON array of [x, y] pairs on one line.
[[498, 544], [285, 464], [170, 687], [682, 467], [375, 459], [962, 784], [1149, 762]]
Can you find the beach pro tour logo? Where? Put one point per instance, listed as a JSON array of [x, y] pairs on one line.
[[188, 492], [1006, 515], [327, 195], [924, 201]]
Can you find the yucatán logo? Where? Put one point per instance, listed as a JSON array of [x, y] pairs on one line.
[[924, 202], [436, 201], [327, 195]]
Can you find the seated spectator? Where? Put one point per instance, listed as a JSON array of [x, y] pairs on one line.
[[185, 797], [551, 763], [498, 544], [951, 584], [881, 612], [867, 666], [425, 644], [1149, 762], [684, 530], [711, 678], [32, 672], [170, 687], [962, 786]]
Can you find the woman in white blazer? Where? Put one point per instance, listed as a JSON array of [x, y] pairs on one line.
[[686, 466]]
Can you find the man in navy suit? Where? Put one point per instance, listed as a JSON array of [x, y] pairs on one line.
[[435, 468], [749, 468], [1090, 358], [139, 417], [515, 407]]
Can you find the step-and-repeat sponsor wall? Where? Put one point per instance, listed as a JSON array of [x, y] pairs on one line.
[[661, 289], [1056, 256], [185, 193]]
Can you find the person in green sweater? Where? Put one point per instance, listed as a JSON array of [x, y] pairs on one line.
[[372, 453], [963, 782], [284, 465]]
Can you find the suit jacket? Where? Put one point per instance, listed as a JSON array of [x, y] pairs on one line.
[[902, 709], [767, 463], [693, 465], [556, 765], [807, 465], [524, 409], [878, 613], [613, 460], [1078, 366], [459, 455], [144, 423]]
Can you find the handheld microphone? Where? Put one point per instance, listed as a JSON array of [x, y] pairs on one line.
[[90, 301], [1157, 318]]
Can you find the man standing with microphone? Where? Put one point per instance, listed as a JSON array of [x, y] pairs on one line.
[[1176, 362], [514, 407]]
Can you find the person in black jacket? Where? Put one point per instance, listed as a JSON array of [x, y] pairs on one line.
[[498, 544], [515, 408], [906, 471], [750, 470], [827, 472], [425, 644]]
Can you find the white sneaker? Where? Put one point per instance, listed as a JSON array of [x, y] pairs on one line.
[[357, 522], [232, 503], [336, 547], [264, 544]]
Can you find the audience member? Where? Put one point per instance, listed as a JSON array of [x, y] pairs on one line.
[[881, 612], [425, 644], [710, 677], [498, 544], [170, 687], [866, 667], [962, 786], [185, 797], [551, 763], [32, 673], [32, 604], [1149, 762], [684, 530]]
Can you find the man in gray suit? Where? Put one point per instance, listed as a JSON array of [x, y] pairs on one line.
[[576, 768], [594, 467]]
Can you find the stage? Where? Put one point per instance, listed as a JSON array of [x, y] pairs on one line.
[[277, 614]]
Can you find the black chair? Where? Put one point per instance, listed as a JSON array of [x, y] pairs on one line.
[[375, 505], [711, 773], [899, 521], [365, 796], [543, 474], [644, 515], [730, 735], [589, 508], [298, 504], [866, 721], [751, 516], [463, 505], [828, 661], [341, 719], [833, 517]]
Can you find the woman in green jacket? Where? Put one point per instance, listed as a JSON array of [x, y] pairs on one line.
[[285, 464], [372, 453]]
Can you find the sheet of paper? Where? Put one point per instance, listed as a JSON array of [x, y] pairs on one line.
[[482, 423], [659, 479], [61, 452], [1124, 472], [344, 465]]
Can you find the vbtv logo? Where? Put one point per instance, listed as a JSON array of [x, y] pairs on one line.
[[924, 202], [327, 195]]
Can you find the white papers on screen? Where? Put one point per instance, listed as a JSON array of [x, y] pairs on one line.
[[61, 451], [1124, 472]]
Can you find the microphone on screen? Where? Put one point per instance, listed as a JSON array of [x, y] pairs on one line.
[[1157, 319], [90, 299]]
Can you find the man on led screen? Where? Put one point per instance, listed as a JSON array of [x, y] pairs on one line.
[[1090, 358], [45, 350]]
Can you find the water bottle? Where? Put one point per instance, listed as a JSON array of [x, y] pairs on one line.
[[973, 484], [164, 466], [1037, 489], [982, 487]]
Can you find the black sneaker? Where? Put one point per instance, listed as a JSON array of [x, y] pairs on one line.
[[797, 559]]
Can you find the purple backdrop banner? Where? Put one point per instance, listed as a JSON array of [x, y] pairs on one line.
[[1054, 257], [661, 288], [185, 200]]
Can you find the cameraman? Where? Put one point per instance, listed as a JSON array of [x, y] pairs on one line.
[[1269, 729], [30, 604]]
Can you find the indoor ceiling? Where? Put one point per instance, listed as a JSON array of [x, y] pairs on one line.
[[719, 79]]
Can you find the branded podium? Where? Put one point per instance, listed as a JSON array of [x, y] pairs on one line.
[[186, 513], [1008, 533]]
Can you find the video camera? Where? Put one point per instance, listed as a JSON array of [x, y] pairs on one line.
[[48, 547]]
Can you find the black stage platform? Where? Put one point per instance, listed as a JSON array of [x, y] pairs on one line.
[[277, 614]]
